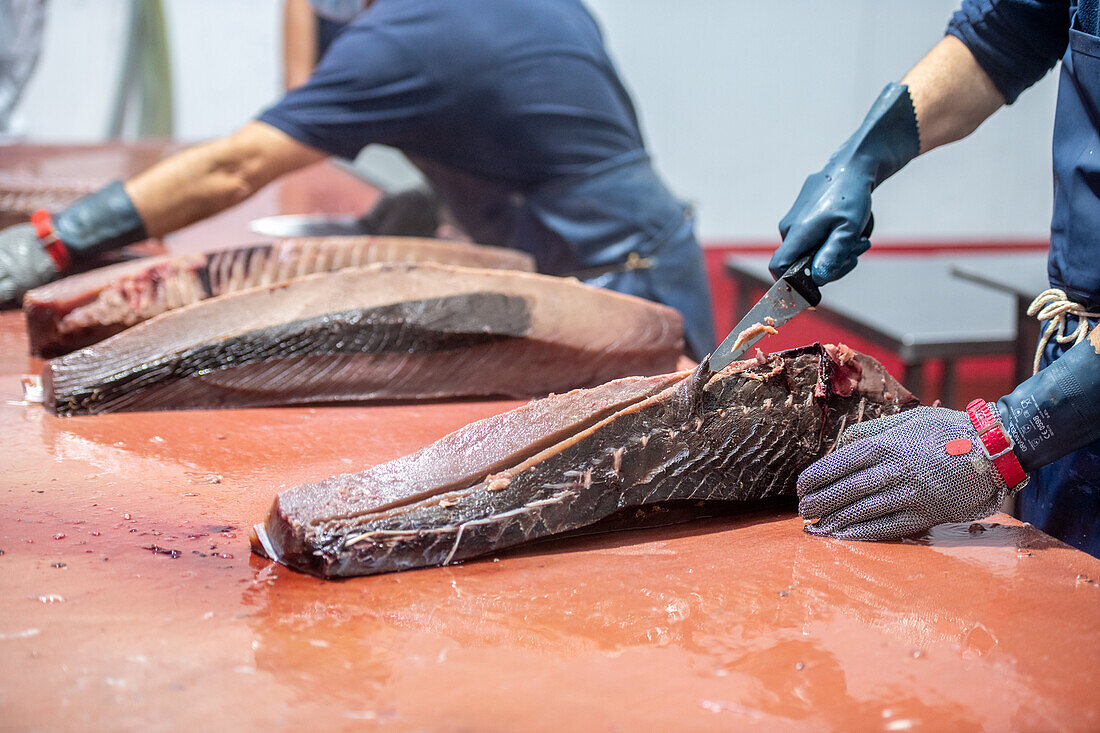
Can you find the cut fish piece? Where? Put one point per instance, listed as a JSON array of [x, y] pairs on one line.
[[385, 331], [83, 309], [742, 434]]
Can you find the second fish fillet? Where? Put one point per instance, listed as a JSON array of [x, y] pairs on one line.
[[389, 331]]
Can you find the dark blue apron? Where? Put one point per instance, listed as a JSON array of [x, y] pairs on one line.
[[1063, 498], [615, 226]]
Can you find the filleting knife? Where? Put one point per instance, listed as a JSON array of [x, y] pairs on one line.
[[791, 294]]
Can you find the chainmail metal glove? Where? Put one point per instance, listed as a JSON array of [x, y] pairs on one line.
[[24, 264], [899, 475]]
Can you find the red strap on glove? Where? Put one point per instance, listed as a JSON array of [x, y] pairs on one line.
[[998, 444], [55, 248]]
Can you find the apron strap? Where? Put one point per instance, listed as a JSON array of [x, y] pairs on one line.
[[1054, 305]]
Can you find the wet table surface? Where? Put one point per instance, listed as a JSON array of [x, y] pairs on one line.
[[129, 600]]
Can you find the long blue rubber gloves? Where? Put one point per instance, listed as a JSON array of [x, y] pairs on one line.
[[893, 476], [98, 222], [833, 209]]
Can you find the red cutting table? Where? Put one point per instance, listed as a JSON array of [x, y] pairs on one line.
[[129, 598]]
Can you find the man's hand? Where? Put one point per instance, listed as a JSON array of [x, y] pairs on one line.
[[948, 92], [411, 213], [832, 213], [899, 475], [24, 264]]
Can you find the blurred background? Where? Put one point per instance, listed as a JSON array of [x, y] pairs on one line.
[[739, 102]]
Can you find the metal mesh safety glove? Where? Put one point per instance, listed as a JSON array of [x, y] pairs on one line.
[[833, 210], [24, 263], [898, 475]]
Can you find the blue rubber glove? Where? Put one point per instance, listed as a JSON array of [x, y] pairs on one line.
[[1056, 411], [411, 213], [894, 476], [98, 222], [832, 213]]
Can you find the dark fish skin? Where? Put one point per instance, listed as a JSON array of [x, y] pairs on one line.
[[437, 324], [382, 331], [83, 309], [743, 434]]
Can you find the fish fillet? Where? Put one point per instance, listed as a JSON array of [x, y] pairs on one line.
[[80, 310], [742, 434], [384, 331]]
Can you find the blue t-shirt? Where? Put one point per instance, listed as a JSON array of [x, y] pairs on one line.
[[327, 30], [515, 91], [515, 113], [1016, 42]]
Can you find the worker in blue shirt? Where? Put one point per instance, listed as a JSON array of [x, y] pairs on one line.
[[902, 474], [511, 108]]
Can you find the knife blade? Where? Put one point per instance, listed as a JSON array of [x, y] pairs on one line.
[[791, 294], [308, 225]]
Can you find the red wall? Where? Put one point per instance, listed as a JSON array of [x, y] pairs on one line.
[[986, 377]]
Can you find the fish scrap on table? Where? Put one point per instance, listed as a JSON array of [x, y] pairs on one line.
[[568, 461], [383, 331], [80, 310]]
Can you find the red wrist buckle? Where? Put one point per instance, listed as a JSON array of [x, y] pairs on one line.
[[998, 444], [55, 248]]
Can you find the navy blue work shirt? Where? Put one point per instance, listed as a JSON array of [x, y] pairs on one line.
[[515, 113], [1016, 42], [517, 92]]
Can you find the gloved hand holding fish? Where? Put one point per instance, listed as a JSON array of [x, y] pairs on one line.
[[567, 461], [24, 263], [901, 475]]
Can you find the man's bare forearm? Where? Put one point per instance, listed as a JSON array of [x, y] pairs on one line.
[[951, 94], [299, 42], [202, 180]]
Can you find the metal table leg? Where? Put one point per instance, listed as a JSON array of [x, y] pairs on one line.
[[914, 378], [1027, 336], [743, 301], [947, 393]]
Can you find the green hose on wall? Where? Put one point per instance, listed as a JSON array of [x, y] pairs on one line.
[[146, 76]]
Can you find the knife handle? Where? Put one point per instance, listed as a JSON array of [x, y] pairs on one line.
[[799, 277]]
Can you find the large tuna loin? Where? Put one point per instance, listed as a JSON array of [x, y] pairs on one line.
[[385, 331], [569, 461], [80, 310]]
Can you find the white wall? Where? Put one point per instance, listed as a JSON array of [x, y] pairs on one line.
[[225, 66], [742, 100], [739, 101]]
